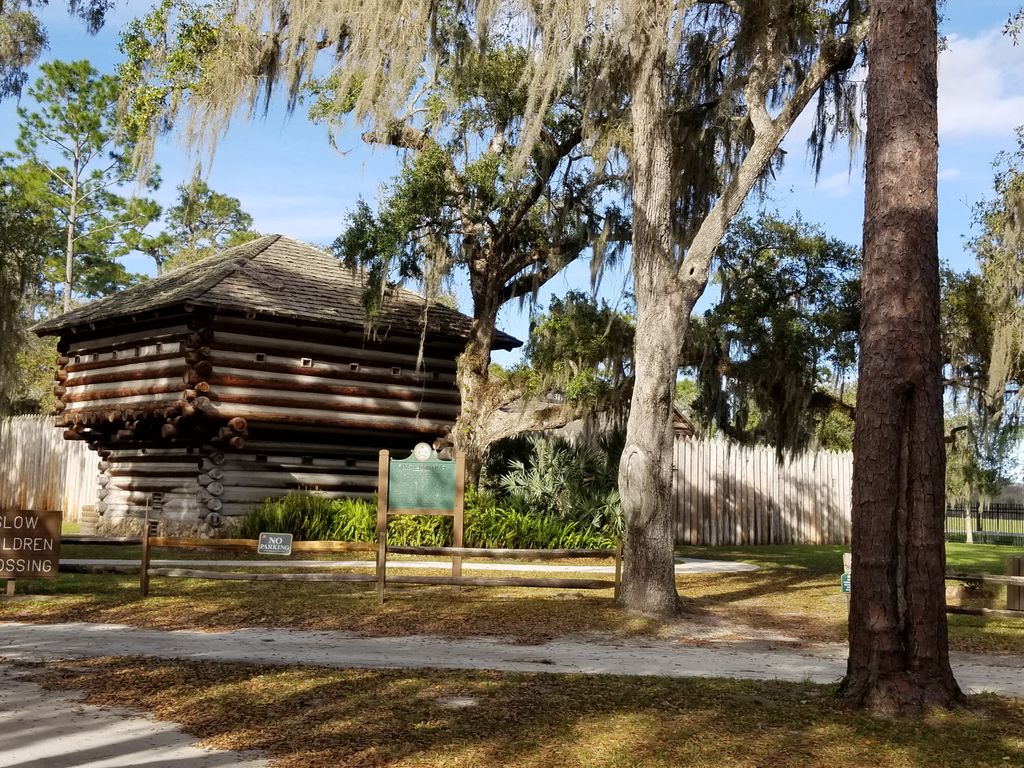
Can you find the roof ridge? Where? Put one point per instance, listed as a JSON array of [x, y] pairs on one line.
[[235, 263]]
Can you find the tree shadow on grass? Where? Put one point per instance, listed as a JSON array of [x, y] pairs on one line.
[[315, 717]]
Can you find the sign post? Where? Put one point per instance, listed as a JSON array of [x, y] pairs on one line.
[[29, 546], [422, 484]]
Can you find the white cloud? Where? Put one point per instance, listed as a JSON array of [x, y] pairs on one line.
[[981, 86], [839, 184]]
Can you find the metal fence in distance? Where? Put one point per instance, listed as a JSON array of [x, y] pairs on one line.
[[994, 523]]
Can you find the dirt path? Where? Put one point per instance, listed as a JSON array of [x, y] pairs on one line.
[[824, 664]]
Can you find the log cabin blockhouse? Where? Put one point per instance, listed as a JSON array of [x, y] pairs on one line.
[[245, 376]]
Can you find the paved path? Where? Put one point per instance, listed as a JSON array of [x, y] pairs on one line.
[[35, 642], [53, 729]]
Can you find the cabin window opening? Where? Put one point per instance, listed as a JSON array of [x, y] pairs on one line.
[[113, 355], [261, 458], [307, 461], [95, 357], [306, 362], [396, 371], [78, 358], [138, 351], [260, 357], [353, 366], [159, 347]]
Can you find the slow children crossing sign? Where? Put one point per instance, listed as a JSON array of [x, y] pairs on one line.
[[29, 545]]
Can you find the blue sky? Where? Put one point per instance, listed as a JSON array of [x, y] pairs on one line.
[[292, 182]]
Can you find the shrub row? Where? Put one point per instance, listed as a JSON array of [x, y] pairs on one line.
[[488, 523]]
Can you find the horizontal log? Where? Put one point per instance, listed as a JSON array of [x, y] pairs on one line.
[[994, 612], [503, 581], [182, 484], [248, 463], [256, 495], [189, 573], [121, 390], [102, 361], [126, 541], [168, 431], [72, 434], [317, 417], [146, 403], [243, 545], [172, 368], [285, 347], [306, 382], [156, 453], [327, 334], [214, 505], [290, 447], [171, 467], [116, 335], [320, 401], [348, 371], [512, 554], [990, 578], [100, 568], [263, 479]]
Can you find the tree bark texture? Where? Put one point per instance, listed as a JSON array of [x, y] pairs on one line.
[[645, 471], [472, 374], [899, 656]]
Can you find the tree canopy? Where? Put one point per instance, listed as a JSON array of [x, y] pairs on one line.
[[23, 37], [771, 354]]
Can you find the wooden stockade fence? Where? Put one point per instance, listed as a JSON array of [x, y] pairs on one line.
[[40, 470], [728, 494]]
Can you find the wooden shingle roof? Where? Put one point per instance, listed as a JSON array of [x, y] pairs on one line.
[[273, 276]]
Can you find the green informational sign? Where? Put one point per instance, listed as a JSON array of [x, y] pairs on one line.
[[844, 583], [421, 481]]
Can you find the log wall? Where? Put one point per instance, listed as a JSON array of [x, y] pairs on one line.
[[197, 416]]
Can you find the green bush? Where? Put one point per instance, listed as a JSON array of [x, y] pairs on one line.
[[488, 522], [570, 480], [305, 516]]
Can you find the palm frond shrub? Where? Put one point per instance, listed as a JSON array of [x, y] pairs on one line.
[[572, 481]]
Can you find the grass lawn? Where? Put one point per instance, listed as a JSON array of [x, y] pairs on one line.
[[794, 598], [317, 717]]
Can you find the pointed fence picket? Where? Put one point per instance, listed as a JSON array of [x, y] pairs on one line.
[[40, 470]]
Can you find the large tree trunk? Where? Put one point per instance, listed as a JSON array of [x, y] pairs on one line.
[[472, 375], [645, 472], [899, 654]]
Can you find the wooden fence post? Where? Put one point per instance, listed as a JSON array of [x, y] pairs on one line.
[[144, 565], [1014, 594], [382, 523]]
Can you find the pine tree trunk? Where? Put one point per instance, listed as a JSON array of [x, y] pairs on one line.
[[899, 656], [645, 472], [69, 253]]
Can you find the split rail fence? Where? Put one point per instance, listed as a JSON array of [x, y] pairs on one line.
[[40, 470]]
